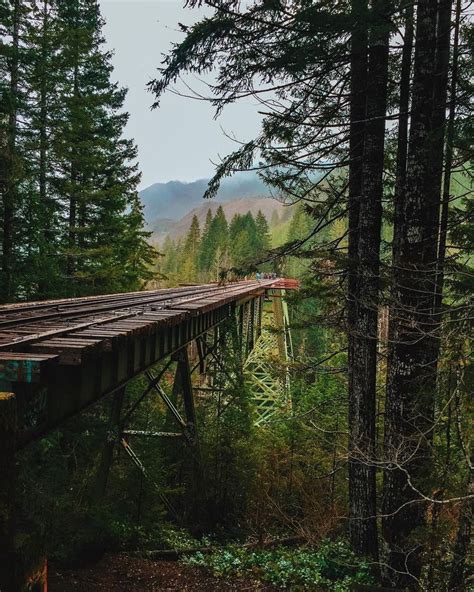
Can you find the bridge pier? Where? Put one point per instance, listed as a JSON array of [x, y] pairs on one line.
[[18, 573], [8, 430], [112, 438]]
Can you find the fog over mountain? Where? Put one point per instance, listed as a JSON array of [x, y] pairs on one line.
[[178, 228], [175, 199]]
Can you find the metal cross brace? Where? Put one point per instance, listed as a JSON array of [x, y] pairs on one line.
[[138, 463], [187, 428], [145, 393]]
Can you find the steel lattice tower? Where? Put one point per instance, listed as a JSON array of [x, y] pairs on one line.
[[266, 367]]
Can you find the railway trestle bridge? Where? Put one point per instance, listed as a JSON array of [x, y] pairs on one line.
[[58, 357]]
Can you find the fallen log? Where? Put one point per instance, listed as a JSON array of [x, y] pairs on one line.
[[176, 554]]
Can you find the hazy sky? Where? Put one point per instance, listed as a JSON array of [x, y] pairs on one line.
[[180, 139]]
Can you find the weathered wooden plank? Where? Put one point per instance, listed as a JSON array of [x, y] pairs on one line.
[[70, 351]]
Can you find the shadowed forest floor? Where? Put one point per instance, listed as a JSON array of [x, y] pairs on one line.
[[122, 573]]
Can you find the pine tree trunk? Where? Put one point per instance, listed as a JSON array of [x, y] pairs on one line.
[[356, 149], [359, 50], [45, 218], [404, 106], [447, 168], [71, 263], [364, 355], [439, 221], [411, 371], [10, 189]]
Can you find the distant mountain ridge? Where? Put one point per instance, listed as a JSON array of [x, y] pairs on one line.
[[175, 199], [176, 229]]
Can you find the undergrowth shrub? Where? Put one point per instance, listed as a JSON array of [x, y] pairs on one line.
[[331, 567]]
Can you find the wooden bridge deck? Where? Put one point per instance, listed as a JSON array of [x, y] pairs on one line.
[[60, 356]]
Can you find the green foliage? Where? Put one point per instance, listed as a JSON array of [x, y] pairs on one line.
[[188, 261], [244, 240], [237, 246], [263, 232], [299, 228], [180, 539], [329, 567], [214, 245], [69, 201]]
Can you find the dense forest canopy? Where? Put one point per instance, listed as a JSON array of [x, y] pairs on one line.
[[367, 133], [71, 220]]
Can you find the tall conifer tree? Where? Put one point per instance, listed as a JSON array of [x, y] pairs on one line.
[[13, 14], [412, 357], [98, 175], [214, 245], [41, 273], [66, 170], [263, 233], [189, 257]]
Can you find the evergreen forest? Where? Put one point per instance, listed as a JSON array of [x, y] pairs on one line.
[[232, 249], [364, 479], [71, 220]]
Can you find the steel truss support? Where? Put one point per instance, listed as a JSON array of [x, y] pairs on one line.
[[248, 327], [183, 385], [224, 355], [140, 466], [184, 370], [187, 424], [116, 429], [267, 365], [148, 434], [264, 345], [108, 450]]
